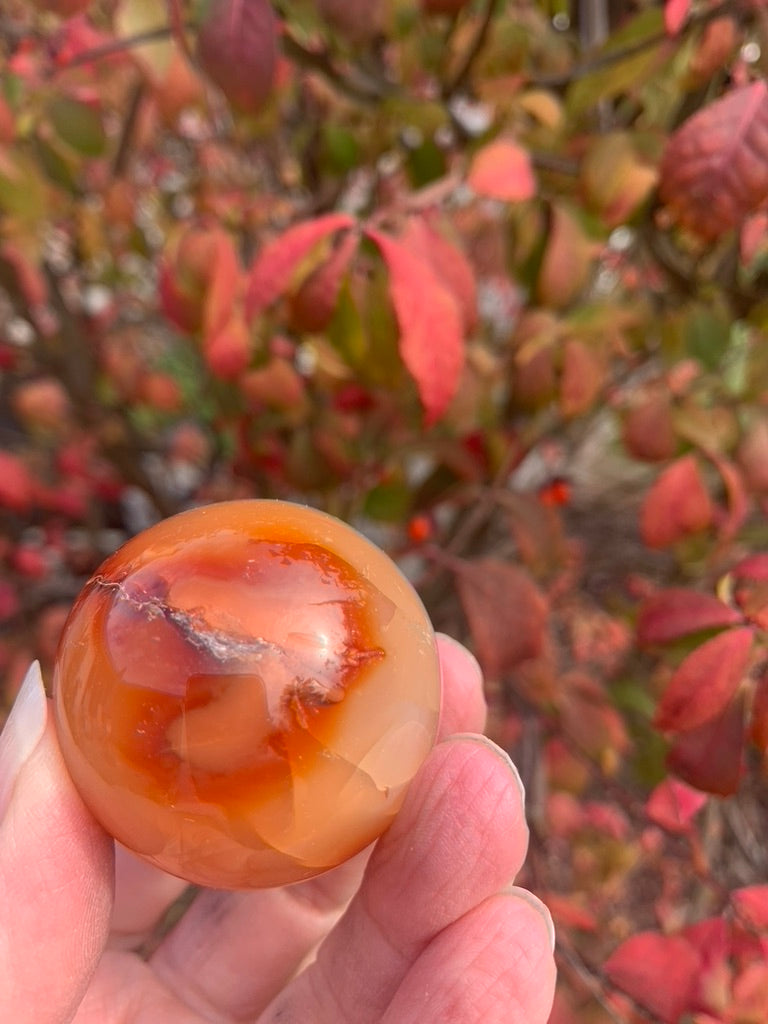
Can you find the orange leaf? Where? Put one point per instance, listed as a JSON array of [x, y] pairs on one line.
[[502, 170], [715, 168], [710, 757], [28, 277], [431, 337], [567, 262], [228, 351], [582, 376], [705, 681], [506, 611], [676, 505], [648, 431], [237, 49], [271, 273], [658, 971], [676, 612]]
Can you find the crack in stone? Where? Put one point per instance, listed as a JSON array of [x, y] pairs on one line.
[[194, 628]]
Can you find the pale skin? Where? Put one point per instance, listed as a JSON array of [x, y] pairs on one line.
[[424, 929]]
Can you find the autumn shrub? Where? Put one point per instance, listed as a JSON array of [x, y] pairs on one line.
[[488, 280]]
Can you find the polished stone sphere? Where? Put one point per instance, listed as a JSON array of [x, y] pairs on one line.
[[244, 691]]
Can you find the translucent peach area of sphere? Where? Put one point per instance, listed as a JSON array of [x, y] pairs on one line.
[[244, 691]]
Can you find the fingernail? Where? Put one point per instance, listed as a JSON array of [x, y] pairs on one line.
[[476, 737], [541, 908], [22, 732], [465, 653]]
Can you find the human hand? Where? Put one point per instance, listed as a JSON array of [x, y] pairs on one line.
[[426, 928]]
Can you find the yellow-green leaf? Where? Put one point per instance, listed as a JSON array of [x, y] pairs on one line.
[[78, 125]]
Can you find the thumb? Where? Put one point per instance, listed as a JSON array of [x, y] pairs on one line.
[[56, 871]]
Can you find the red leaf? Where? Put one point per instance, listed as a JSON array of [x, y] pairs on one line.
[[589, 722], [676, 612], [710, 757], [431, 336], [502, 170], [749, 1000], [200, 277], [448, 262], [758, 726], [675, 13], [732, 519], [506, 611], [314, 302], [657, 971], [705, 681], [715, 168], [270, 276], [237, 49], [676, 505], [17, 487], [752, 237], [711, 938], [751, 906], [568, 912], [673, 805], [755, 567]]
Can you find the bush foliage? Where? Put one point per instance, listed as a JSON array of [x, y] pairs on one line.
[[486, 278]]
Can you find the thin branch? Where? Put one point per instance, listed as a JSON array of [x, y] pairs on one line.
[[353, 82], [179, 27], [588, 978], [114, 47], [611, 57], [474, 50], [123, 152]]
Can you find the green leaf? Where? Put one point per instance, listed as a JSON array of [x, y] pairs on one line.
[[78, 125], [389, 502], [610, 76], [23, 192], [59, 170], [426, 163], [345, 331], [707, 337], [340, 148]]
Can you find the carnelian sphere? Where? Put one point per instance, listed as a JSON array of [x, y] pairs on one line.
[[244, 691]]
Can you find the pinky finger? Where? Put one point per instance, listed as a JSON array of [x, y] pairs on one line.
[[494, 965]]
